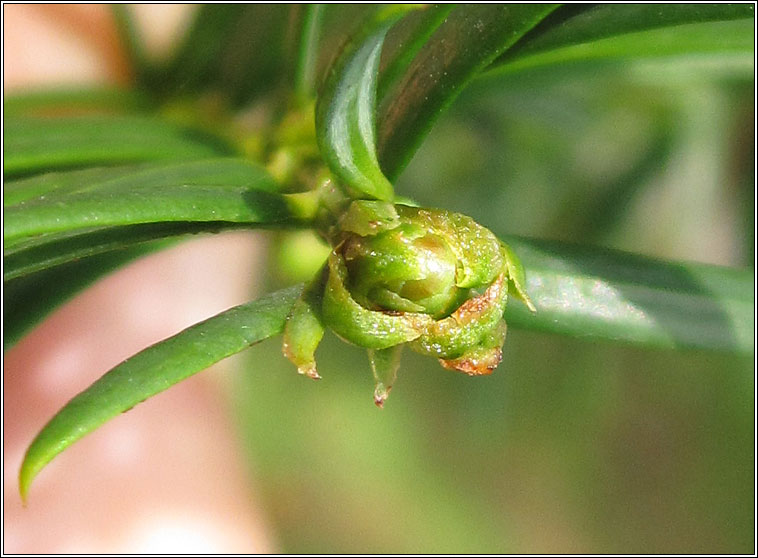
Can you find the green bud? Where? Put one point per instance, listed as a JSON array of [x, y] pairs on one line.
[[407, 259], [432, 279], [404, 269], [360, 325], [452, 337]]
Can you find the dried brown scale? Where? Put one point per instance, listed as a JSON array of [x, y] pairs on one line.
[[473, 307], [474, 366]]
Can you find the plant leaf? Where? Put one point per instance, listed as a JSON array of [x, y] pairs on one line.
[[60, 101], [614, 30], [307, 59], [155, 369], [34, 145], [44, 267], [58, 183], [229, 190], [341, 21], [470, 38], [53, 250], [594, 293], [404, 41], [345, 109]]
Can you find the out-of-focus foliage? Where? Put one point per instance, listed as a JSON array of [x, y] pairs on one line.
[[567, 447]]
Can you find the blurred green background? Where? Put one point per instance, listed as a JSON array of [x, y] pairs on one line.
[[570, 446]]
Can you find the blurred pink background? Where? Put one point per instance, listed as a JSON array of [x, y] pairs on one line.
[[168, 475]]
